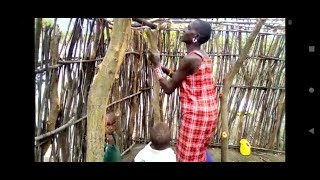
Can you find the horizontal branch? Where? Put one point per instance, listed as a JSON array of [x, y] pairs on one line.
[[92, 60], [163, 54], [144, 22], [233, 30], [268, 26], [128, 97], [75, 61], [248, 21], [140, 27], [124, 152], [80, 61], [46, 69], [42, 142], [253, 21], [253, 87], [221, 55], [156, 19], [71, 122], [270, 58], [254, 148]]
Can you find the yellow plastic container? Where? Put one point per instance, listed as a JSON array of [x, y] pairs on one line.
[[245, 147]]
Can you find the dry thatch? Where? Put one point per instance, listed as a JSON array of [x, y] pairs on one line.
[[256, 101]]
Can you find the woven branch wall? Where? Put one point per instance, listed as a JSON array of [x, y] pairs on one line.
[[256, 101]]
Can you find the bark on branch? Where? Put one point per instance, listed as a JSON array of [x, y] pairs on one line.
[[227, 82], [101, 87], [144, 22], [69, 123], [152, 36]]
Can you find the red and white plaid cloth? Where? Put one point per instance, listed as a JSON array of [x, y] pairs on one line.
[[199, 113]]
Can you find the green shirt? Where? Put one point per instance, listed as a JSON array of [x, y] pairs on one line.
[[112, 152]]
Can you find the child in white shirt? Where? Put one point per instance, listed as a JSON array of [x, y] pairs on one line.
[[158, 150]]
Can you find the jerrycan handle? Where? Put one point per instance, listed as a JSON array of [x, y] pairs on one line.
[[247, 144]]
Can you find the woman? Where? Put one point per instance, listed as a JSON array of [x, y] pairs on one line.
[[197, 93]]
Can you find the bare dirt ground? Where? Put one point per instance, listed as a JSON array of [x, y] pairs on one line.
[[233, 155]]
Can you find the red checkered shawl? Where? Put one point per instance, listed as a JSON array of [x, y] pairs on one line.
[[199, 113]]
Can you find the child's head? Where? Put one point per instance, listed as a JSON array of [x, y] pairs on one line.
[[110, 117], [160, 136], [110, 122]]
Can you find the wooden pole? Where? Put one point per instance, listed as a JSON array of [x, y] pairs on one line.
[[153, 36], [227, 82], [101, 87]]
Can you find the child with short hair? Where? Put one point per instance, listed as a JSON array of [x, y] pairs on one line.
[[158, 150], [112, 152]]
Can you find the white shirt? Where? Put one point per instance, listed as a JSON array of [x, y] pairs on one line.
[[147, 154]]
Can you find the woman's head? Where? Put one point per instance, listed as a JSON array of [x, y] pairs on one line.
[[160, 136], [198, 31]]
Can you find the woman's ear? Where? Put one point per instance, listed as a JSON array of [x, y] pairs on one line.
[[197, 36]]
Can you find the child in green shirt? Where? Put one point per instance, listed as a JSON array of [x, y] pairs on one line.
[[111, 150]]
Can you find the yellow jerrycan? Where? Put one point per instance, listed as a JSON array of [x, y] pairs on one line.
[[245, 148]]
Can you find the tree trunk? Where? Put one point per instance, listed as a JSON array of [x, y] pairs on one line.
[[153, 47], [227, 82], [101, 87]]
